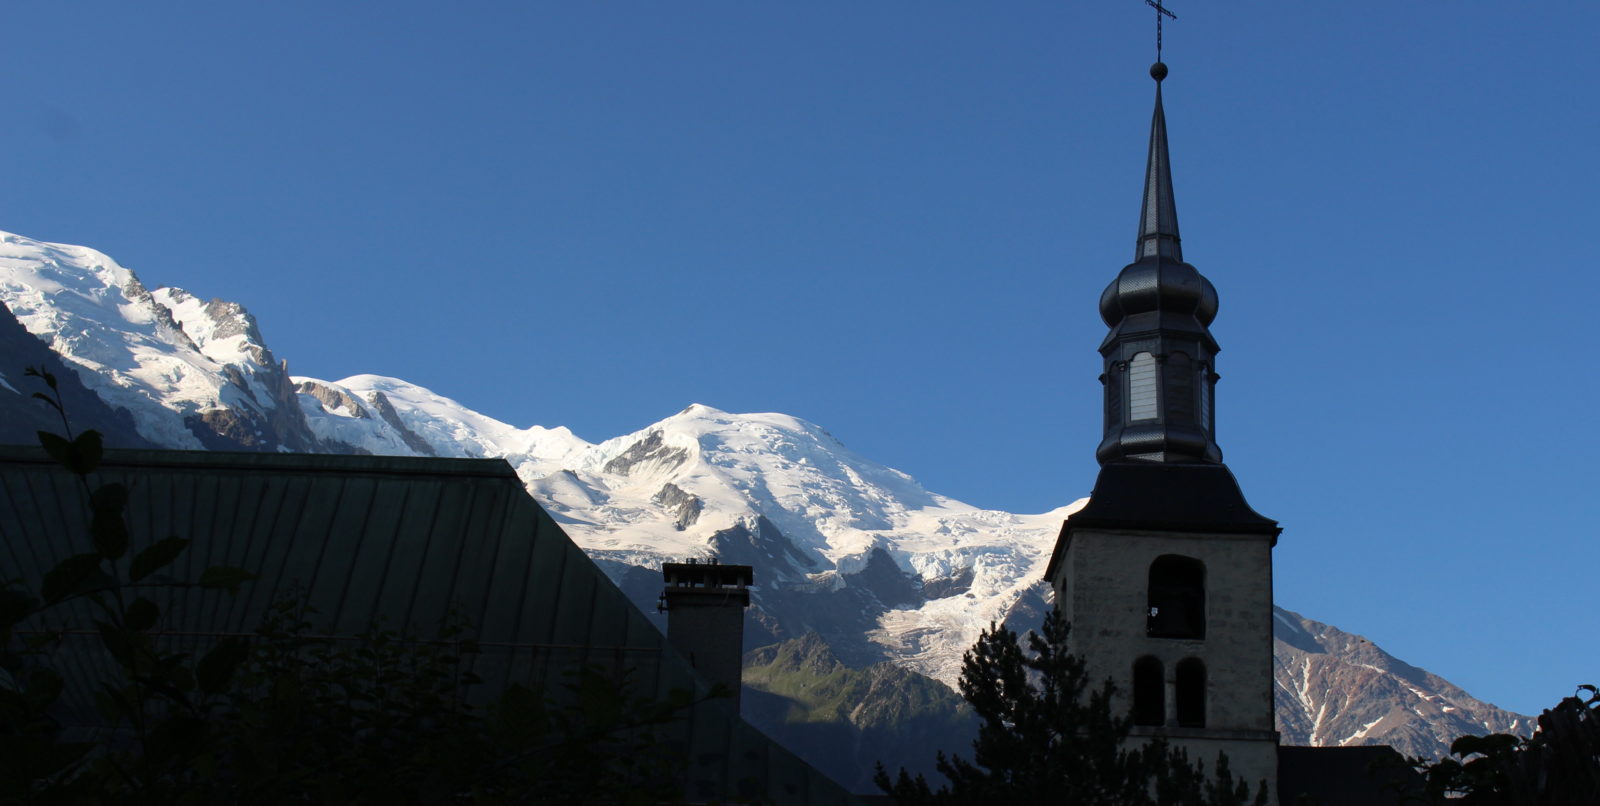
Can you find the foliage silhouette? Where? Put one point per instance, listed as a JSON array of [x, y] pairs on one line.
[[1046, 736], [1558, 765], [150, 710]]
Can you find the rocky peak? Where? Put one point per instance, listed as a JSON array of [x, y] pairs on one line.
[[333, 398], [1338, 689], [256, 408], [684, 506], [650, 455], [386, 410]]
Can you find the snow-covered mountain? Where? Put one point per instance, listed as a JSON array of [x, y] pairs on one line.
[[857, 552], [192, 374], [374, 414], [914, 575]]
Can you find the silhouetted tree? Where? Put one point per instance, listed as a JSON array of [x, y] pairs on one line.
[[1047, 736], [1559, 765]]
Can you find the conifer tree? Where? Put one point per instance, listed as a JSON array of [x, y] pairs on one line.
[[1047, 736]]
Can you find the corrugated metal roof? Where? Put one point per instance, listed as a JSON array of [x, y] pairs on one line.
[[392, 541]]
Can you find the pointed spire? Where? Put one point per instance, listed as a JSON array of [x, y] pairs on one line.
[[1158, 221], [1159, 356]]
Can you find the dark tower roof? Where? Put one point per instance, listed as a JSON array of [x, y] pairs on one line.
[[1159, 353]]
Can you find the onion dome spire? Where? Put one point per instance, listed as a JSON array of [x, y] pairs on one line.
[[1159, 354]]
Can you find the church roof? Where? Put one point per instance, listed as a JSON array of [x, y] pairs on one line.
[[1155, 496], [393, 540], [1371, 775]]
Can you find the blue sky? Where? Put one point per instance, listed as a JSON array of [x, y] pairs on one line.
[[894, 219]]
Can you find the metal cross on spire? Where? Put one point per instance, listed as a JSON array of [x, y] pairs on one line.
[[1161, 11]]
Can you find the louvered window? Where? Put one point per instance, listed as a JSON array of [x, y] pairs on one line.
[[1114, 401], [1205, 400], [1143, 394], [1180, 389]]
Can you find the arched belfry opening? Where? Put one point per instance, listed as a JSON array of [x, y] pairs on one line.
[[1177, 598], [1189, 692], [1149, 692]]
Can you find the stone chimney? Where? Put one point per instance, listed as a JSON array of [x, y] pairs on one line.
[[705, 603]]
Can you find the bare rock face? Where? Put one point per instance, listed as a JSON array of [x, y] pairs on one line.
[[651, 452], [953, 585], [334, 399], [686, 506], [1335, 689], [257, 410], [392, 417]]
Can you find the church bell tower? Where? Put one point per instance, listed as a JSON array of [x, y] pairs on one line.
[[1166, 574]]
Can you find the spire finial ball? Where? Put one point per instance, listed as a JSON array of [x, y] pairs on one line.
[[1158, 71]]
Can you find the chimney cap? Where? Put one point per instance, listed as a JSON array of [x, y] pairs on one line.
[[713, 575]]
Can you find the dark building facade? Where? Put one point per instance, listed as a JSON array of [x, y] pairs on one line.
[[401, 542]]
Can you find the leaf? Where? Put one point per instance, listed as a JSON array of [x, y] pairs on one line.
[[15, 605], [183, 736], [142, 615], [114, 703], [44, 687], [1487, 745], [117, 641], [48, 399], [38, 372], [155, 557], [225, 576], [90, 449], [110, 533], [215, 671], [14, 709], [59, 449], [81, 456], [69, 576], [109, 498], [42, 639], [57, 757], [176, 672]]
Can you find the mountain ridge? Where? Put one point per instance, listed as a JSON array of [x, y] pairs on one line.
[[859, 553]]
